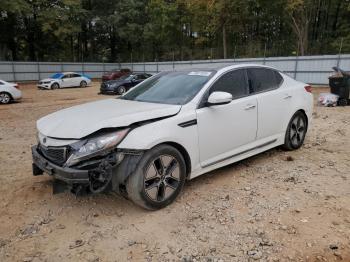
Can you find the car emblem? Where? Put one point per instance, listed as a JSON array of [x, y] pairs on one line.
[[44, 140]]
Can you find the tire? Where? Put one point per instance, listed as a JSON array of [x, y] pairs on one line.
[[121, 90], [83, 84], [5, 98], [342, 102], [296, 131], [158, 178], [55, 86]]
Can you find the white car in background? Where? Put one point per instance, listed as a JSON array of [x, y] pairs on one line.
[[9, 92], [172, 127], [62, 80]]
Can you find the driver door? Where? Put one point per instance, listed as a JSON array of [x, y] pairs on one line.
[[223, 129], [66, 81]]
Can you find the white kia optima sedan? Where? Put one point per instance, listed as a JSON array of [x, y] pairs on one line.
[[172, 127], [9, 92], [62, 80]]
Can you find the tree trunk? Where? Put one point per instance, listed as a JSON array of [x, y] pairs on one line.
[[113, 42], [224, 41]]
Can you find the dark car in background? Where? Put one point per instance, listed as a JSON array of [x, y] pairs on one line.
[[116, 74], [123, 84]]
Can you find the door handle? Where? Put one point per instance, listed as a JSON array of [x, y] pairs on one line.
[[248, 107], [287, 96]]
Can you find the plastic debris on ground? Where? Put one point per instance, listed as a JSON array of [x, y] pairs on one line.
[[328, 99]]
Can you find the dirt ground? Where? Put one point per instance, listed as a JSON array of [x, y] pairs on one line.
[[277, 206]]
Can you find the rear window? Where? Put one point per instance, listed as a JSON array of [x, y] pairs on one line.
[[263, 79]]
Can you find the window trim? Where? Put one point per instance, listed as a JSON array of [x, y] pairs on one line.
[[266, 90], [205, 95]]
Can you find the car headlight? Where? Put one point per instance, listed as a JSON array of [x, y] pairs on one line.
[[94, 146]]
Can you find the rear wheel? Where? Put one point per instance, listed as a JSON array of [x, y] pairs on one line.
[[83, 84], [158, 178], [5, 98], [121, 90], [296, 131], [55, 86], [342, 102]]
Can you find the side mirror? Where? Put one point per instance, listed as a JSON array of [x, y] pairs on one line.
[[219, 98]]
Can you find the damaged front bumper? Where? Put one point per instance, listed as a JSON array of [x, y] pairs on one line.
[[109, 172], [65, 174]]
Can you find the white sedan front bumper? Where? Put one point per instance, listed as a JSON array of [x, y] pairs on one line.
[[44, 86]]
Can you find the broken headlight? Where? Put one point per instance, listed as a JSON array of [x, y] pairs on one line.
[[94, 146]]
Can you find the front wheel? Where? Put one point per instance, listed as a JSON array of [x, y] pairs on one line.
[[296, 132], [158, 178], [83, 84], [5, 98], [55, 86], [121, 90]]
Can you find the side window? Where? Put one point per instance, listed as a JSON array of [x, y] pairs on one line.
[[75, 75], [66, 76], [262, 79], [279, 78], [233, 82]]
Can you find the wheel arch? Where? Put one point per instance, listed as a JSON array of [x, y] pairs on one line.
[[6, 92], [306, 117], [183, 152], [59, 86]]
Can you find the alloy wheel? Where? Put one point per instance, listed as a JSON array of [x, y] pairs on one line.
[[297, 131], [121, 90], [4, 98], [162, 178]]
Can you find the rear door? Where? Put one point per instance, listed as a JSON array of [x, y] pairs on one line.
[[223, 129], [274, 101], [76, 79]]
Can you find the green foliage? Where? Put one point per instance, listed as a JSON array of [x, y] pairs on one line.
[[136, 30]]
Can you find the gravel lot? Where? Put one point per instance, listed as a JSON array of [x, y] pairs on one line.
[[277, 206]]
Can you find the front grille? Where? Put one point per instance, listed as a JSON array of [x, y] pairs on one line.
[[57, 155]]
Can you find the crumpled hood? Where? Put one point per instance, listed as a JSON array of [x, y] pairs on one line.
[[82, 120], [47, 79]]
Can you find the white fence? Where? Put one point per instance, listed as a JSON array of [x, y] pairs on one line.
[[309, 69]]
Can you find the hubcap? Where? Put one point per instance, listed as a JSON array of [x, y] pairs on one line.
[[297, 131], [162, 178], [4, 98], [121, 90]]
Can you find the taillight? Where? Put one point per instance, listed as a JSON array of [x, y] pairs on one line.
[[308, 89], [16, 86]]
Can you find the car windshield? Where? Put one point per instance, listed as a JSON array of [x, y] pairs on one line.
[[128, 78], [123, 77], [57, 76], [176, 88]]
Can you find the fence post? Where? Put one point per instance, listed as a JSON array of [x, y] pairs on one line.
[[144, 63], [157, 65], [13, 72], [296, 67], [104, 67], [62, 67], [132, 65], [173, 60], [38, 65], [82, 67]]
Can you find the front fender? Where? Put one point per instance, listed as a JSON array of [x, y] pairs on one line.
[[164, 131]]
